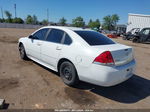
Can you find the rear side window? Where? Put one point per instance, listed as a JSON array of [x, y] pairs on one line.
[[44, 32], [55, 36], [94, 38], [67, 40], [40, 35]]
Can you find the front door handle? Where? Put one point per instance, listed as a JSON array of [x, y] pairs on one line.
[[58, 48]]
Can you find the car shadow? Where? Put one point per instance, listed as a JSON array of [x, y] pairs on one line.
[[5, 106], [55, 73], [146, 43], [131, 91]]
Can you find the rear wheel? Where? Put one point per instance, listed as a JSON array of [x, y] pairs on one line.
[[22, 52], [68, 73]]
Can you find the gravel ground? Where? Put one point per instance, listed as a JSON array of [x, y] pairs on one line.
[[27, 85]]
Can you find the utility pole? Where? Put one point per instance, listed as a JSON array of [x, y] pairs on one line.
[[2, 13], [15, 10], [48, 15]]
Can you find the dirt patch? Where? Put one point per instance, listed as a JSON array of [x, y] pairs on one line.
[[80, 97], [46, 81], [25, 63], [6, 84], [5, 39], [147, 53], [35, 86], [147, 68], [21, 63]]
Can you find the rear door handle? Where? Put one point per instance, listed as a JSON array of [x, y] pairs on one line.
[[58, 48]]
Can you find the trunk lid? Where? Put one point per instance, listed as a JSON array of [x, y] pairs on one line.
[[121, 54]]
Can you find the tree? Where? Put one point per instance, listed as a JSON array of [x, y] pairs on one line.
[[78, 22], [9, 16], [17, 20], [110, 22], [29, 19], [32, 19], [115, 18], [35, 20], [45, 22], [2, 20], [63, 21], [94, 24], [107, 23], [90, 23]]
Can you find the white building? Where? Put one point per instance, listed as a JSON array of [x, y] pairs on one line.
[[138, 21]]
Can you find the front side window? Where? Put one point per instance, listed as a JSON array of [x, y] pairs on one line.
[[55, 36], [94, 38], [146, 32], [40, 35]]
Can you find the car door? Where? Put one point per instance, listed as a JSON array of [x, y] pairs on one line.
[[145, 34], [52, 47], [34, 44]]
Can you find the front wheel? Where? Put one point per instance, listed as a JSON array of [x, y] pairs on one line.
[[124, 37], [68, 73], [22, 52]]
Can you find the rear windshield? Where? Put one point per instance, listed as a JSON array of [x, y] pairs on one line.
[[94, 38]]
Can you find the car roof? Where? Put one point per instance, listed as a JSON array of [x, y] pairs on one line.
[[70, 28], [146, 28]]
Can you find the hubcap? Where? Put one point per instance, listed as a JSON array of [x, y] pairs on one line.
[[22, 51], [67, 73]]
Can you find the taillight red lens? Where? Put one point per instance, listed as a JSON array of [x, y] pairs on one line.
[[105, 58]]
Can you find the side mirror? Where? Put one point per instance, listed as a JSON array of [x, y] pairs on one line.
[[30, 37]]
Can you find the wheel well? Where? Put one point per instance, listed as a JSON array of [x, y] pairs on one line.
[[61, 61], [20, 44]]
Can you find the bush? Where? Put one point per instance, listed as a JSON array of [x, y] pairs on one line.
[[2, 20], [18, 20]]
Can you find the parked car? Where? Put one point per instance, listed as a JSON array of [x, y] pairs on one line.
[[131, 34], [121, 31], [95, 29], [79, 54], [112, 34], [143, 36]]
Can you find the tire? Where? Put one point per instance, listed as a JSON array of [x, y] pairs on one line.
[[135, 40], [124, 38], [142, 41], [22, 52], [68, 73]]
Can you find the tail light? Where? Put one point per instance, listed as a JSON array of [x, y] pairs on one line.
[[105, 59]]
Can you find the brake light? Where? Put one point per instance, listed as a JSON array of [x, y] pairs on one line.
[[105, 58]]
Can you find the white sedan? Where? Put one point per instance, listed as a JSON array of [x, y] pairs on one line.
[[79, 54]]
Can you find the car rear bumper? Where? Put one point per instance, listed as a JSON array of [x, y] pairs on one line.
[[106, 75]]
